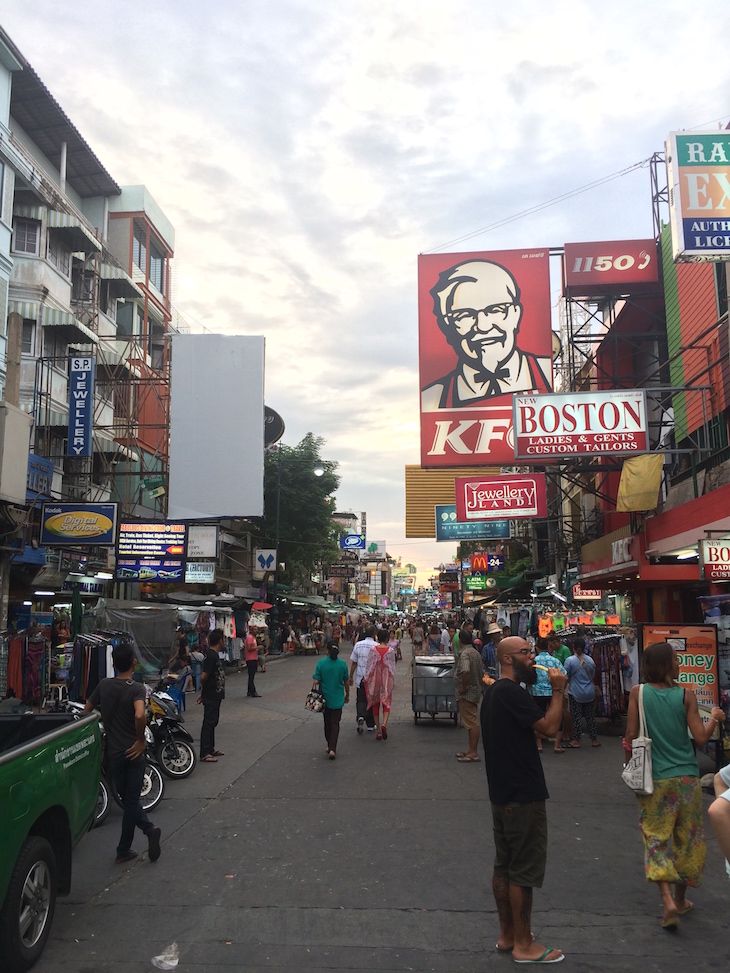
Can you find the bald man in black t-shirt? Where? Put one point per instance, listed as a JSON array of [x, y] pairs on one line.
[[517, 791]]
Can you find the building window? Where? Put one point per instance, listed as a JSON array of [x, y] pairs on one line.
[[139, 247], [28, 339], [157, 268], [59, 254], [26, 236]]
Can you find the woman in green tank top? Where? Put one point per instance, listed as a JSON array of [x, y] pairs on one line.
[[671, 817]]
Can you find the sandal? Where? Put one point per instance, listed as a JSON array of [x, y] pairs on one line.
[[378, 735], [218, 753], [385, 732], [209, 759]]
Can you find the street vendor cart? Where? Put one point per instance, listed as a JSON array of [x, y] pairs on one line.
[[433, 687]]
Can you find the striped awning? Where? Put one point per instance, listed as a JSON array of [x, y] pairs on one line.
[[26, 309], [79, 235], [53, 317], [51, 417], [124, 283], [28, 212]]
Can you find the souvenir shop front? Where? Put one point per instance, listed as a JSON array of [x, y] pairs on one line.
[[613, 646]]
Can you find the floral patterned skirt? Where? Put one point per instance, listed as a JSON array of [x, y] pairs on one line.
[[673, 833]]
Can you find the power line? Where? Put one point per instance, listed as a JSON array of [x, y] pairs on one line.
[[541, 206]]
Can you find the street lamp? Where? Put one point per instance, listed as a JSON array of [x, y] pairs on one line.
[[274, 617]]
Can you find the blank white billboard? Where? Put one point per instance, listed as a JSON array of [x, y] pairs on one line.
[[216, 426]]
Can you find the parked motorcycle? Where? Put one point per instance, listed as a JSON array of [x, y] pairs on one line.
[[173, 744]]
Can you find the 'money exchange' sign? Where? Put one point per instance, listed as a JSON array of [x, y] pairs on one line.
[[580, 423]]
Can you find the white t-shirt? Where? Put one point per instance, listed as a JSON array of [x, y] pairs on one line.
[[359, 655]]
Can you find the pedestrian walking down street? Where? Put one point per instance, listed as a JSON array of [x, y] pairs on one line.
[[332, 676], [358, 664], [671, 817], [121, 702], [417, 636], [510, 717], [379, 682], [251, 655], [719, 812], [582, 694], [212, 693], [468, 686]]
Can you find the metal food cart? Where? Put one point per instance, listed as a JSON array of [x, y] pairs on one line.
[[433, 687]]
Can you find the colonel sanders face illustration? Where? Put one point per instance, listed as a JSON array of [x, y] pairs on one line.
[[477, 306]]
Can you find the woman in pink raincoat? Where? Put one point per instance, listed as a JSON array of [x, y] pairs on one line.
[[379, 679]]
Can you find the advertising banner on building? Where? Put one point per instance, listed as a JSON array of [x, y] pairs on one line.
[[80, 406], [200, 572], [151, 551], [614, 267], [352, 542], [486, 562], [202, 541], [484, 333], [78, 523], [580, 423], [496, 497], [216, 384], [696, 647], [698, 174], [586, 594], [715, 559], [448, 527]]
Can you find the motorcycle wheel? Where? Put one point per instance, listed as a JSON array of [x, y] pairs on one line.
[[153, 787], [102, 804], [176, 758]]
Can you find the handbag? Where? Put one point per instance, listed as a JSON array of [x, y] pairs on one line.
[[314, 700], [637, 772]]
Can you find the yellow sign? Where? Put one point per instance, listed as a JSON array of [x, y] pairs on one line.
[[363, 598]]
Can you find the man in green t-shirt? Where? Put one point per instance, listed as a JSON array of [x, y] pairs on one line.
[[332, 676], [558, 649]]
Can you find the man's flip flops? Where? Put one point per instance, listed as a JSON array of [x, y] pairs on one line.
[[543, 959]]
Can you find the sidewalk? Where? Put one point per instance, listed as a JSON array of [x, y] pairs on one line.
[[278, 859]]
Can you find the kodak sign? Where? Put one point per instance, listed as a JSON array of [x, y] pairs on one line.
[[580, 423]]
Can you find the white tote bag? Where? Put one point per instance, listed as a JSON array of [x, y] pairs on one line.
[[637, 772]]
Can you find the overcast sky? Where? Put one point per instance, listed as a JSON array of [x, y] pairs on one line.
[[306, 153]]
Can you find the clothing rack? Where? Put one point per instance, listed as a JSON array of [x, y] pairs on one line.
[[606, 653]]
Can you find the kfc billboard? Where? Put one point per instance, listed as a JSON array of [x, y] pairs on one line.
[[617, 267], [497, 497], [484, 334], [698, 173], [580, 423]]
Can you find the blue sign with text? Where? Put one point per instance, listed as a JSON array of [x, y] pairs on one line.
[[352, 542], [80, 406], [449, 529]]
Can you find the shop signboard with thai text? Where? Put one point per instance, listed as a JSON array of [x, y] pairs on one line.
[[616, 267], [449, 528], [78, 523], [484, 322], [698, 168], [495, 497], [715, 559], [696, 647], [580, 424]]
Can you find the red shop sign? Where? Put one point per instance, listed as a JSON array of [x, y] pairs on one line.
[[618, 266], [579, 424], [499, 497]]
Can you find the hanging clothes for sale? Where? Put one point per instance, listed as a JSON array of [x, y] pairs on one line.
[[606, 653]]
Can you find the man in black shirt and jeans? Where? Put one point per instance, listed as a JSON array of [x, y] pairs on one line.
[[517, 791], [122, 701], [212, 691]]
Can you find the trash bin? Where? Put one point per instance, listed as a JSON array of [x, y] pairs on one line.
[[433, 687]]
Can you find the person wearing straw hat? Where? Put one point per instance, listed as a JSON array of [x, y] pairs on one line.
[[489, 650]]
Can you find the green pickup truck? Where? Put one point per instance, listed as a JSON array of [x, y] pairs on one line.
[[49, 783]]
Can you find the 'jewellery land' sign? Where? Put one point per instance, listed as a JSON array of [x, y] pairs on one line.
[[580, 423], [497, 497]]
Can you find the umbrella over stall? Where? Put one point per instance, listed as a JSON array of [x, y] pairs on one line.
[[261, 606]]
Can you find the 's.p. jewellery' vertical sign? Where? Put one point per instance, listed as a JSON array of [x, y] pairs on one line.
[[80, 406]]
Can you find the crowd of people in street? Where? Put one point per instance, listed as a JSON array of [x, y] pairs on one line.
[[513, 693]]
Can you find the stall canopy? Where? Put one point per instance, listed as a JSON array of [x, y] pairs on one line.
[[151, 626]]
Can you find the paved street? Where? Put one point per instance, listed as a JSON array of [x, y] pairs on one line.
[[278, 859]]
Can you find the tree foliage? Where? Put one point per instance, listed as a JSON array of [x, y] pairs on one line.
[[308, 536]]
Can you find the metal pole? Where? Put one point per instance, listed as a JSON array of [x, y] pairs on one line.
[[274, 635]]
